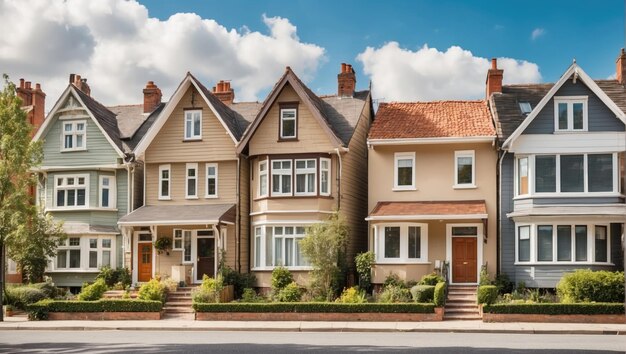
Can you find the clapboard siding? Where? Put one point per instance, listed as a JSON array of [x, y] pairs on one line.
[[548, 276], [507, 226], [601, 118], [243, 216]]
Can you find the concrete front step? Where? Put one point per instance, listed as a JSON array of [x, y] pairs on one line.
[[464, 292], [173, 309], [461, 305], [464, 299], [462, 318], [178, 304], [178, 316], [461, 310]]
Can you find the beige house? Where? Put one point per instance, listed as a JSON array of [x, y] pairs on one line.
[[307, 159], [432, 190], [195, 187]]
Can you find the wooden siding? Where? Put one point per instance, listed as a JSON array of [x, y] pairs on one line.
[[601, 118], [507, 226], [226, 184], [168, 145], [311, 136], [547, 276], [243, 218]]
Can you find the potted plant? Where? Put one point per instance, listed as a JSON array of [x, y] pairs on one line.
[[163, 244]]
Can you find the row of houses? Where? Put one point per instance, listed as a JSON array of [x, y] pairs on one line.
[[526, 182]]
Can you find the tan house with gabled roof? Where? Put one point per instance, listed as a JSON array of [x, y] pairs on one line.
[[195, 187], [432, 190], [307, 159]]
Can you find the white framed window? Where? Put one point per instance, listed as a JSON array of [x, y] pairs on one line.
[[562, 243], [522, 181], [68, 254], [88, 252], [211, 180], [193, 124], [281, 177], [71, 191], [165, 178], [187, 246], [464, 169], [402, 242], [74, 136], [258, 238], [306, 176], [325, 176], [570, 113], [107, 192], [288, 123], [191, 185], [177, 240], [279, 245], [262, 179], [100, 252], [404, 171]]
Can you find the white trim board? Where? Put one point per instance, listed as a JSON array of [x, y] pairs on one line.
[[578, 142]]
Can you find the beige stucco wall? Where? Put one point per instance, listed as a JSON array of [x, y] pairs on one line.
[[434, 181]]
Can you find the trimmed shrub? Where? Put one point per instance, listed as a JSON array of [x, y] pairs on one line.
[[114, 276], [431, 279], [439, 296], [363, 262], [504, 284], [393, 279], [585, 285], [423, 293], [557, 309], [315, 307], [237, 280], [487, 294], [209, 291], [40, 310], [249, 295], [290, 293], [153, 290], [92, 292], [352, 296], [48, 288], [281, 277], [393, 293], [22, 296]]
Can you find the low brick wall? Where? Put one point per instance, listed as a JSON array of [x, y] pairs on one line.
[[103, 316], [330, 316], [510, 317]]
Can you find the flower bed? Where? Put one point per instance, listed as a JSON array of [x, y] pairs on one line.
[[317, 311], [96, 310], [554, 312]]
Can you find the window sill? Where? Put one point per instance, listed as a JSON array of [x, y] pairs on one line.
[[569, 195], [191, 198], [293, 268], [74, 270], [80, 209], [192, 140], [562, 263], [400, 262], [282, 140], [557, 132], [464, 186], [164, 198], [72, 150], [404, 189], [210, 197], [293, 197]]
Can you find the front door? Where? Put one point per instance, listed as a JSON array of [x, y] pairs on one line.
[[144, 266], [464, 260], [205, 256]]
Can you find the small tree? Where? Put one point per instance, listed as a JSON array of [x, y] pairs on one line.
[[324, 246]]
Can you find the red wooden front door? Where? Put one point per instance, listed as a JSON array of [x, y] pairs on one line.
[[464, 260], [144, 262]]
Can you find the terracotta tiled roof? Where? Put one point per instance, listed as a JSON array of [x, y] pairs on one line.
[[466, 207], [438, 119]]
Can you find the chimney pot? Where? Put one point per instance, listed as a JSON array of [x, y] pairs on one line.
[[214, 89], [21, 83], [620, 67], [343, 67], [72, 76], [151, 97], [494, 63], [28, 84], [224, 92], [494, 79], [38, 87], [346, 81]]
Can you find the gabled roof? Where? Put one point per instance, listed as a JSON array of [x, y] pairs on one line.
[[338, 116], [503, 112], [234, 123], [438, 119]]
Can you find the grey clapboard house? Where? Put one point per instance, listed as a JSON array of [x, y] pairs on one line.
[[560, 174]]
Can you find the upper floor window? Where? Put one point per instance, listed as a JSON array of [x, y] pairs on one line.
[[522, 176], [281, 177], [464, 169], [164, 181], [288, 123], [193, 125], [404, 170], [107, 191], [71, 190], [74, 136], [192, 181], [570, 113], [325, 176], [263, 178], [306, 176], [211, 180]]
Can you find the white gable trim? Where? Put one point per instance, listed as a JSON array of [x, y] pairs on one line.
[[167, 111], [48, 120], [573, 69]]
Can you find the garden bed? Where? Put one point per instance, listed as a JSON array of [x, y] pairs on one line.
[[96, 310], [555, 313], [317, 312]]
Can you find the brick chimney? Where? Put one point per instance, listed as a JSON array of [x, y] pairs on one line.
[[151, 97], [494, 78], [224, 92], [35, 98], [80, 84], [346, 81], [620, 67]]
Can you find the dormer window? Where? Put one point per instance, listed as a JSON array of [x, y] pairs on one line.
[[288, 128], [525, 107], [74, 136], [570, 113]]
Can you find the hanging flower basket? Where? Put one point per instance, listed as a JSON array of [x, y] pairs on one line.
[[163, 244]]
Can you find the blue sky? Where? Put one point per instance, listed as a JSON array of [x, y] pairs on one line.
[[410, 50]]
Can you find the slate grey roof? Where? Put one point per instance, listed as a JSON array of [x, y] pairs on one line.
[[134, 140], [129, 118], [343, 113], [508, 115], [247, 111], [180, 214], [104, 116]]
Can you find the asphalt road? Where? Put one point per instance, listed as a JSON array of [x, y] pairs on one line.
[[23, 341]]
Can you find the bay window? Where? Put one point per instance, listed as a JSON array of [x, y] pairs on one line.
[[68, 254], [279, 246], [402, 242], [99, 252], [522, 175], [523, 249], [324, 176], [306, 176], [281, 177], [71, 191], [85, 253]]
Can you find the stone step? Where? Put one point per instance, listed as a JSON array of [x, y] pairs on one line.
[[455, 310], [178, 304], [178, 316], [174, 309], [462, 318], [455, 304], [464, 298]]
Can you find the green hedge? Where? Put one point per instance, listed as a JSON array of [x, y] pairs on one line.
[[585, 285], [557, 309], [487, 294], [107, 305], [313, 307], [440, 294]]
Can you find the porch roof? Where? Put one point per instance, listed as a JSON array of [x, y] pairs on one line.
[[448, 210], [605, 211], [180, 215]]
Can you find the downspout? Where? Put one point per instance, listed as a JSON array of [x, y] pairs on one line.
[[498, 210], [238, 218], [339, 180]]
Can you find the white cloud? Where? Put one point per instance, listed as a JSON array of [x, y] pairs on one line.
[[429, 74], [536, 33], [118, 47]]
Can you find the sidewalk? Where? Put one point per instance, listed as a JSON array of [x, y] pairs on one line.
[[20, 323]]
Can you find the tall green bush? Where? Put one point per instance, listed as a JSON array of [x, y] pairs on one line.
[[290, 293], [363, 262], [487, 294], [281, 277], [22, 296], [439, 297], [423, 293], [585, 285], [92, 292], [431, 279], [153, 290]]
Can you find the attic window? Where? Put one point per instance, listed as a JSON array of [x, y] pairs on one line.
[[525, 107]]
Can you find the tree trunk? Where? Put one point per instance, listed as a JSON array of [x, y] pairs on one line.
[[2, 277]]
